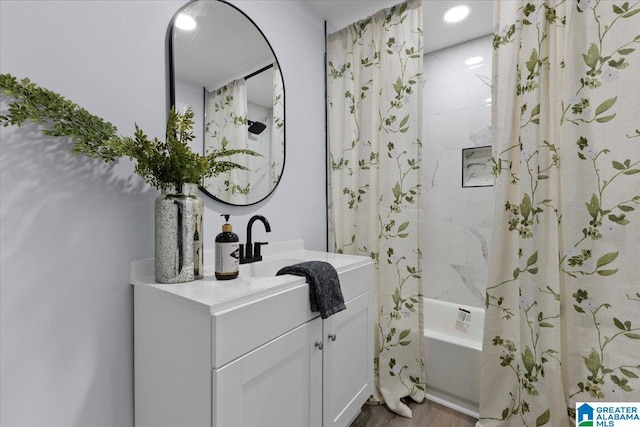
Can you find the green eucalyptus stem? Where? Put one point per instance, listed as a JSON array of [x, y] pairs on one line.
[[94, 137], [161, 164]]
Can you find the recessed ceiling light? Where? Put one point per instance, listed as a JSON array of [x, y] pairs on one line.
[[474, 60], [185, 22], [456, 13]]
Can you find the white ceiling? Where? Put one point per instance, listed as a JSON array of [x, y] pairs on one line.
[[437, 33], [211, 58]]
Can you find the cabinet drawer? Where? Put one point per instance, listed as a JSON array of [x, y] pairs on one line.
[[239, 330], [243, 328], [356, 281]]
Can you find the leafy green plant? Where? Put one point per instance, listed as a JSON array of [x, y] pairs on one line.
[[161, 164]]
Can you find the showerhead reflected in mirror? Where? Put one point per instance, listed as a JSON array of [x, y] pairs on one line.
[[225, 70], [256, 128]]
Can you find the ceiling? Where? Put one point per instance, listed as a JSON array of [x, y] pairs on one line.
[[209, 58], [437, 33]]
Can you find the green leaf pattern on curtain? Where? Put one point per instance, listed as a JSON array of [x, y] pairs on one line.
[[563, 301], [226, 128], [277, 129], [375, 104]]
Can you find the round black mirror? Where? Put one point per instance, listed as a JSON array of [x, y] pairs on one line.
[[224, 69]]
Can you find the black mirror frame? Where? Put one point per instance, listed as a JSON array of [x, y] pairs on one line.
[[171, 88]]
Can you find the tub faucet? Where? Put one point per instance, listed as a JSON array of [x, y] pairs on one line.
[[250, 252]]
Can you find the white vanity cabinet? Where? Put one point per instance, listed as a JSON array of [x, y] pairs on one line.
[[249, 352], [278, 384], [319, 374], [347, 374]]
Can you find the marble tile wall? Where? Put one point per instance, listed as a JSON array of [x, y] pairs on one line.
[[456, 222]]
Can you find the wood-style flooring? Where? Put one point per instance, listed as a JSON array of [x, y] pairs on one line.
[[425, 414]]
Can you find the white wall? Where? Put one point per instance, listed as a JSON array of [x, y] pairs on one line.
[[457, 223], [70, 226]]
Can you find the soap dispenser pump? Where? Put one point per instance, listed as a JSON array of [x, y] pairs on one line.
[[227, 252]]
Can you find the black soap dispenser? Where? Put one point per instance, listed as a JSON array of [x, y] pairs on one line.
[[227, 252]]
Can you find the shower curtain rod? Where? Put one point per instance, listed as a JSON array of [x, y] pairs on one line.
[[258, 72]]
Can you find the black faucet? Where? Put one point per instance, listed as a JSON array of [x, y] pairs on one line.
[[250, 252]]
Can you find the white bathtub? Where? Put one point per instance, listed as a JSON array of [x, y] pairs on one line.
[[453, 350]]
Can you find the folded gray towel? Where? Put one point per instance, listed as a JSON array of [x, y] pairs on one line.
[[325, 294]]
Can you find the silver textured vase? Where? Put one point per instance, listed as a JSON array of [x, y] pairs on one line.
[[178, 214]]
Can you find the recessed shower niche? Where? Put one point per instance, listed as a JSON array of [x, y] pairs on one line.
[[477, 167]]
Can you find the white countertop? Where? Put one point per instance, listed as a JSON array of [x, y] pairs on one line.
[[212, 295]]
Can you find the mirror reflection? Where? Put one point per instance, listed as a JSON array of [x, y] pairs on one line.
[[225, 70]]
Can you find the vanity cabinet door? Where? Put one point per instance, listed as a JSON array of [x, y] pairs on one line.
[[348, 361], [278, 384]]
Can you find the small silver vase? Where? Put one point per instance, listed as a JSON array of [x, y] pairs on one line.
[[178, 212]]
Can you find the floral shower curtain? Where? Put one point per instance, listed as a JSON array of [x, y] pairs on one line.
[[226, 122], [375, 104], [563, 301], [277, 128]]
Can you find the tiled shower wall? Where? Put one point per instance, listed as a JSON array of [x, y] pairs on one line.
[[456, 225]]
